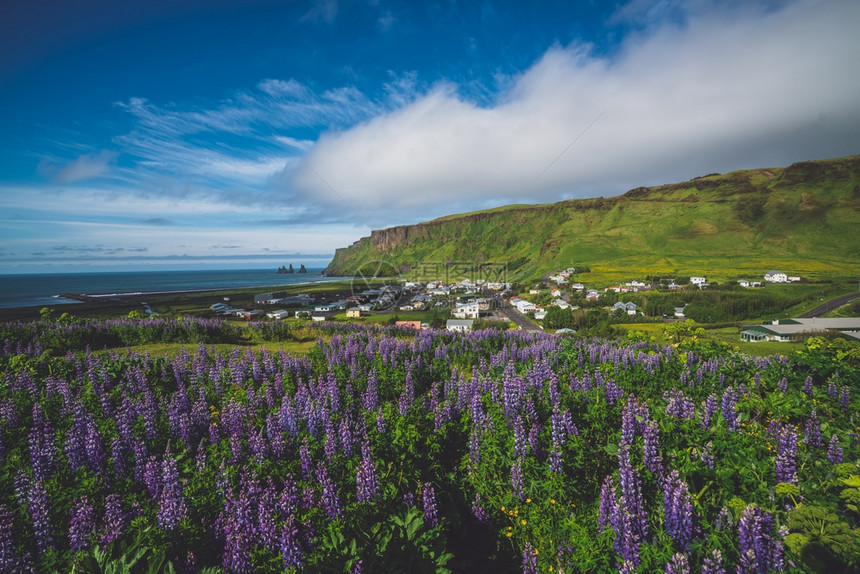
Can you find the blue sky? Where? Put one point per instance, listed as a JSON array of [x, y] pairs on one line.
[[218, 133]]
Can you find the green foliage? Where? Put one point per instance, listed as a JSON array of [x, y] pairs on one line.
[[558, 318], [827, 541], [740, 225]]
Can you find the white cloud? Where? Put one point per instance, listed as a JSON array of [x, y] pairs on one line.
[[87, 166], [722, 90]]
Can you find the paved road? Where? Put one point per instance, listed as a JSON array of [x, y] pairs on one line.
[[830, 305], [518, 318]]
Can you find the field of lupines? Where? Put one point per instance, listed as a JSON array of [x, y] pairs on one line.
[[388, 449]]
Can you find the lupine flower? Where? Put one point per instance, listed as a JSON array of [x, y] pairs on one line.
[[171, 503], [651, 452], [478, 510], [10, 561], [628, 421], [517, 480], [730, 400], [631, 491], [713, 563], [607, 504], [40, 515], [529, 559], [115, 519], [807, 386], [82, 524], [834, 451], [786, 460], [678, 510], [812, 430], [759, 549], [845, 399], [428, 499], [783, 384], [330, 499], [710, 409], [365, 478], [678, 564]]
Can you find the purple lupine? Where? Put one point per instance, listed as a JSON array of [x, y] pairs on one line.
[[10, 561], [367, 483], [627, 538], [171, 502], [631, 491], [555, 458], [786, 460], [706, 456], [678, 564], [520, 445], [651, 451], [82, 524], [832, 391], [529, 559], [115, 519], [431, 509], [812, 430], [834, 451], [290, 546], [807, 386], [711, 406], [517, 486], [608, 504], [730, 400], [713, 563], [845, 399], [475, 446], [330, 499], [759, 549], [783, 384], [267, 507], [628, 421], [40, 515], [679, 405], [479, 511], [678, 510]]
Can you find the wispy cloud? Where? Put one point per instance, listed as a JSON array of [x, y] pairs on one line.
[[85, 167], [325, 10], [714, 90]]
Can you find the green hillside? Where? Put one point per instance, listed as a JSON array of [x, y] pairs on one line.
[[803, 219]]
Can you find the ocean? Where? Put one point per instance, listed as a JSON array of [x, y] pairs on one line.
[[43, 289]]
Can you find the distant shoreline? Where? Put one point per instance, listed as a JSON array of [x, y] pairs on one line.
[[137, 295]]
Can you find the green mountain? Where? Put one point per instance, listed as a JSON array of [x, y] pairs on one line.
[[803, 219]]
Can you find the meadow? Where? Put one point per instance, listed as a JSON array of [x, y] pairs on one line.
[[172, 445]]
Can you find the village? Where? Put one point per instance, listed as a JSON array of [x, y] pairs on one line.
[[558, 304]]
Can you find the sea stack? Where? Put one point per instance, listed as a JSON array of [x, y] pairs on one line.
[[302, 269]]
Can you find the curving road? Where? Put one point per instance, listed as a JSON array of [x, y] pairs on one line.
[[830, 305], [518, 318]]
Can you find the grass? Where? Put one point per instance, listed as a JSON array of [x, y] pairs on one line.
[[734, 226], [173, 349], [729, 335]]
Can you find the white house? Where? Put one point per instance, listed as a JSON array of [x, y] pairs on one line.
[[577, 286], [592, 295], [561, 304], [776, 277], [743, 283], [459, 325], [698, 281], [629, 308], [524, 306], [278, 315], [466, 311]]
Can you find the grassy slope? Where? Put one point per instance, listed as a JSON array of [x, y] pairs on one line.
[[801, 219]]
